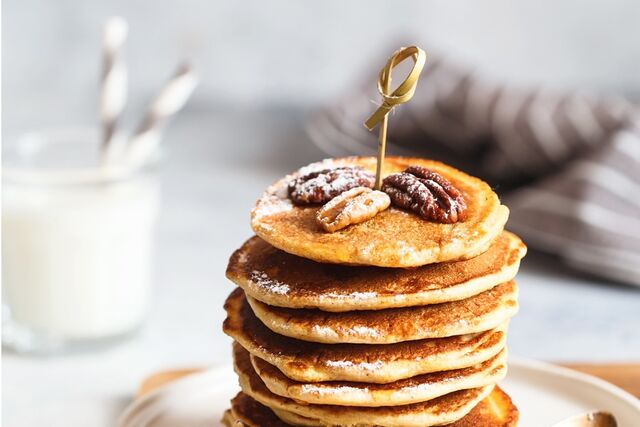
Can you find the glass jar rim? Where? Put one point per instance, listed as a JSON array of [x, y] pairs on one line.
[[33, 143]]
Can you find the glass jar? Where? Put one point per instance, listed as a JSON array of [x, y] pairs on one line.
[[77, 243]]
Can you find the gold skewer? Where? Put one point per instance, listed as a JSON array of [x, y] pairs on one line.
[[400, 95]]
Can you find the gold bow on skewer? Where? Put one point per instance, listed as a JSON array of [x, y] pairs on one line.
[[400, 95]]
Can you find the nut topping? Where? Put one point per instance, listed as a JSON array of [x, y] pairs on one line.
[[352, 207], [426, 193], [322, 186]]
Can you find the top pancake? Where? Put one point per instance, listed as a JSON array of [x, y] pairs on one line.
[[284, 280], [394, 237]]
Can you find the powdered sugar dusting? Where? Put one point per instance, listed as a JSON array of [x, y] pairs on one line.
[[323, 330], [421, 388], [314, 167], [367, 250], [356, 331], [276, 198], [357, 296], [366, 331], [368, 366], [324, 185], [261, 279], [405, 250], [321, 390], [270, 205]]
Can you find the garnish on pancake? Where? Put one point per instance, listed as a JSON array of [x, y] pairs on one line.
[[465, 215], [352, 207], [323, 185], [427, 193]]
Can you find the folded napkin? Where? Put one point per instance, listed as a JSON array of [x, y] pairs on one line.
[[566, 164]]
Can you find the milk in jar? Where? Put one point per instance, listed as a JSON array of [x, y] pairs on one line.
[[77, 245]]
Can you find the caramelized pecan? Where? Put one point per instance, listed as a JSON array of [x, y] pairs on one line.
[[322, 186], [426, 193], [351, 207]]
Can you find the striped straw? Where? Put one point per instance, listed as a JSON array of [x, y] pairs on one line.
[[114, 77], [171, 99]]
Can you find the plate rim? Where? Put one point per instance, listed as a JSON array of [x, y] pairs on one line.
[[572, 374], [126, 417]]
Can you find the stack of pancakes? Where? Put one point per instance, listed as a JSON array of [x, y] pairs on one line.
[[396, 321]]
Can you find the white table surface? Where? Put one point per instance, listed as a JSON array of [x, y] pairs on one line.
[[217, 163]]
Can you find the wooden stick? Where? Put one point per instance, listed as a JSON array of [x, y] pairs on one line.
[[403, 93]]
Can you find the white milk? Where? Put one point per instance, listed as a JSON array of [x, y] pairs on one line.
[[76, 259]]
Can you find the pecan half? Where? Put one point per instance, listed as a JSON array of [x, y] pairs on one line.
[[351, 207], [426, 193], [322, 186]]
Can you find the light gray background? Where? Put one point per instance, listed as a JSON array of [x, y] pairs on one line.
[[264, 65], [282, 51]]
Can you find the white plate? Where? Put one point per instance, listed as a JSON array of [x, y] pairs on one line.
[[544, 394]]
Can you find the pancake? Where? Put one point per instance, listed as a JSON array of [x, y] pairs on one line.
[[284, 280], [476, 314], [246, 412], [394, 237], [403, 392], [229, 420], [294, 419], [495, 410], [375, 363], [441, 410]]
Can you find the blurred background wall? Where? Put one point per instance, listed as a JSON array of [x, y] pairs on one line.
[[257, 53]]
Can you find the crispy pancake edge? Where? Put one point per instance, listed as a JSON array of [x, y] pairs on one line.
[[482, 415], [313, 362], [403, 392], [334, 292], [441, 410], [476, 314]]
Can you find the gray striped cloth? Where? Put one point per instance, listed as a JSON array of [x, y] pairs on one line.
[[566, 164]]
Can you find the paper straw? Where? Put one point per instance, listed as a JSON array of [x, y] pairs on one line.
[[171, 99], [114, 77]]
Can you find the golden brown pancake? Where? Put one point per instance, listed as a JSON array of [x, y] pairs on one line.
[[295, 419], [394, 237], [403, 392], [281, 279], [441, 410], [376, 363], [495, 410], [229, 420], [479, 313], [246, 412]]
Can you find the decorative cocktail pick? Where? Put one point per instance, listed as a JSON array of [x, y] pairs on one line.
[[400, 95], [114, 77]]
